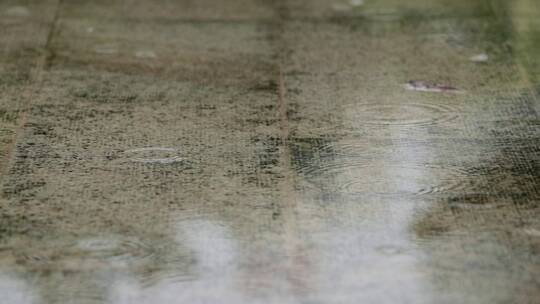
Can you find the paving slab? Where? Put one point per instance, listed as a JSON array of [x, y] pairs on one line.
[[395, 130]]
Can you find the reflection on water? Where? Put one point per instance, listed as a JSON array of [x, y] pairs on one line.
[[214, 259], [15, 290], [361, 238]]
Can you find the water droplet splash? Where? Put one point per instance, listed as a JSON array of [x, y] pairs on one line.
[[425, 86], [480, 58], [414, 114]]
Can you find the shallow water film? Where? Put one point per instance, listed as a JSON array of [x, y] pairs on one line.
[[257, 151]]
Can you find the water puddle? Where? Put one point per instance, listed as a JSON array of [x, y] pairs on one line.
[[403, 114], [14, 290], [113, 248], [390, 250], [92, 253], [404, 180], [356, 166], [214, 263]]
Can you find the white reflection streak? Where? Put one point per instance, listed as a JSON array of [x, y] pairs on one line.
[[214, 248], [215, 257], [375, 259], [15, 291]]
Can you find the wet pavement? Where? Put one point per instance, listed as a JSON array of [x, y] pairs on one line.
[[251, 151]]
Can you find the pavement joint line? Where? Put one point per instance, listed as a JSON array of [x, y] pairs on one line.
[[34, 83]]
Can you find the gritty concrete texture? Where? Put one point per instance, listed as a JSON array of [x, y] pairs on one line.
[[288, 151]]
